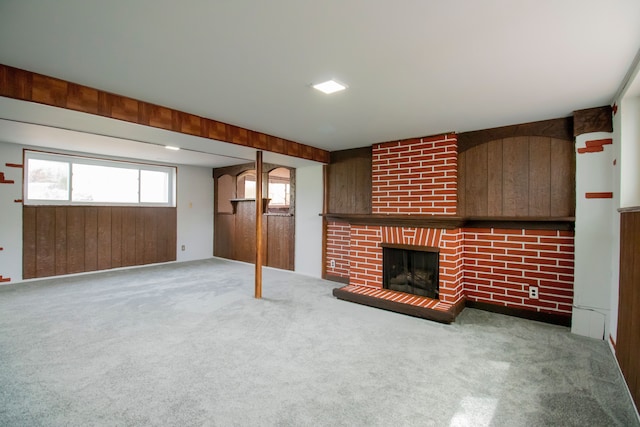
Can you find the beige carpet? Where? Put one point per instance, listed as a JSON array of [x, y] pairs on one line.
[[186, 344]]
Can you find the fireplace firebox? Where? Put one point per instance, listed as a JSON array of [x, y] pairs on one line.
[[411, 269]]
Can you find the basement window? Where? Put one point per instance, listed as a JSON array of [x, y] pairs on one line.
[[57, 179]]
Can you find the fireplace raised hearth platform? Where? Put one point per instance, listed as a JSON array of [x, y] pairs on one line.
[[432, 309], [400, 302]]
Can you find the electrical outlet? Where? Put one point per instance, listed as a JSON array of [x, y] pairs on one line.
[[183, 247], [533, 292], [332, 263]]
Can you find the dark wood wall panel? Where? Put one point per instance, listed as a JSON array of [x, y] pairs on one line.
[[45, 242], [280, 252], [28, 86], [628, 336], [150, 253], [29, 243], [235, 237], [172, 234], [539, 176], [128, 237], [555, 128], [515, 175], [162, 239], [462, 182], [76, 239], [245, 232], [476, 165], [90, 239], [140, 243], [61, 240], [494, 178], [224, 235], [104, 239], [116, 237], [521, 176], [349, 181], [563, 173]]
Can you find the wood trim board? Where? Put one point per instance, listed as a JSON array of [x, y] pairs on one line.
[[32, 87]]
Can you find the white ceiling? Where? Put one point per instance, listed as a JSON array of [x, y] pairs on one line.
[[413, 68]]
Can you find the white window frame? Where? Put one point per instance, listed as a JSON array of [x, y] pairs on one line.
[[73, 159]]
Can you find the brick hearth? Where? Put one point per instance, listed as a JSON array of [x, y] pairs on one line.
[[400, 302]]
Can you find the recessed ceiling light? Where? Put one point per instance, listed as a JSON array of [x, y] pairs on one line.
[[329, 87], [171, 147]]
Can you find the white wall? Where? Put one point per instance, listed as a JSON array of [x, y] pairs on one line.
[[630, 152], [195, 213], [11, 214], [308, 240], [594, 240], [626, 184]]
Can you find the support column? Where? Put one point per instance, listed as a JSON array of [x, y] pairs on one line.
[[597, 222], [325, 210], [259, 208]]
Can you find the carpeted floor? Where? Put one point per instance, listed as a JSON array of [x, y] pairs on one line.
[[186, 344]]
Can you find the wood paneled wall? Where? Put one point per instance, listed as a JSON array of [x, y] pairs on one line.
[[349, 181], [28, 86], [224, 236], [555, 128], [523, 176], [628, 337], [75, 239], [279, 241], [235, 236], [235, 232]]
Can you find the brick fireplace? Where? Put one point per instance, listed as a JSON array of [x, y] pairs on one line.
[[414, 204], [366, 255], [413, 270]]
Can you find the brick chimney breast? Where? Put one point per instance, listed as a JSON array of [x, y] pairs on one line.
[[415, 176]]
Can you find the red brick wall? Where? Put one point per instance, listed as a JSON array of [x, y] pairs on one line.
[[417, 176], [365, 261], [493, 266], [338, 249], [452, 266], [366, 255], [500, 265]]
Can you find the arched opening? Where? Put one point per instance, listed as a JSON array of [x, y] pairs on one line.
[[246, 185], [279, 190], [226, 192]]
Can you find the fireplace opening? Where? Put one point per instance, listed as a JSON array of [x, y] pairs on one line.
[[410, 269]]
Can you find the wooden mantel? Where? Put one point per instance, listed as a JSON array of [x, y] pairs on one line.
[[426, 221], [452, 222]]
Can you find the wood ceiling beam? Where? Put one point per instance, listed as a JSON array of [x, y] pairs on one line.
[[32, 87]]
